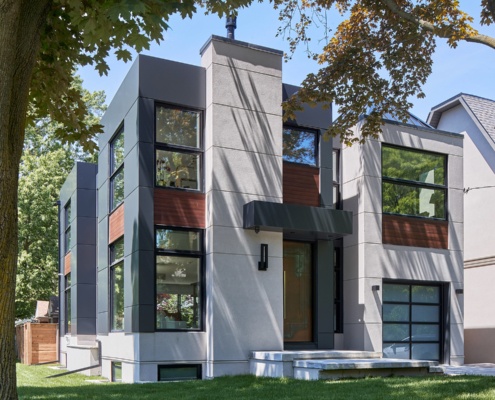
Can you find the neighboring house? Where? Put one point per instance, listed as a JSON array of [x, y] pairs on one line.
[[474, 117], [211, 229]]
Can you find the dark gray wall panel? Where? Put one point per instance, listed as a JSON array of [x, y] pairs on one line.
[[86, 299], [102, 252], [172, 82], [310, 117], [86, 264], [121, 103], [86, 174], [146, 164], [86, 230], [86, 202], [146, 120], [103, 285]]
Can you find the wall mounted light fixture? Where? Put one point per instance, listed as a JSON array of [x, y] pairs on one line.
[[375, 288], [459, 291], [263, 263]]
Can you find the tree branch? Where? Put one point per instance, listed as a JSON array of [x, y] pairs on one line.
[[443, 33]]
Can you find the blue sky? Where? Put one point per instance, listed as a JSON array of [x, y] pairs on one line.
[[470, 68]]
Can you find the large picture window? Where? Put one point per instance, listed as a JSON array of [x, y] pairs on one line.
[[178, 152], [300, 146], [179, 271], [414, 182], [117, 285], [117, 170]]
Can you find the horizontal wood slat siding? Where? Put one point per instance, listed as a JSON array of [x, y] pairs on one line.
[[301, 184], [116, 224], [37, 343], [405, 231], [179, 208], [67, 263]]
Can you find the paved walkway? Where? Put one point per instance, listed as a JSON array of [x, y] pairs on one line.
[[471, 369]]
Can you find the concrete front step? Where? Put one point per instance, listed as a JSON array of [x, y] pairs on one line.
[[333, 364], [359, 368]]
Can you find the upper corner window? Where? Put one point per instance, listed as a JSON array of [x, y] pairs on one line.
[[117, 170], [300, 145], [178, 153], [67, 221], [414, 182]]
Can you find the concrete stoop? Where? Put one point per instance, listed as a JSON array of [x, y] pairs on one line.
[[334, 364]]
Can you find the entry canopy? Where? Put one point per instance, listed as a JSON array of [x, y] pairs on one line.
[[316, 222]]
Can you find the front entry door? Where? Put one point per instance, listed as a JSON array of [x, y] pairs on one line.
[[298, 292]]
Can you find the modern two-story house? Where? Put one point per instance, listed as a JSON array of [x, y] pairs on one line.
[[211, 229]]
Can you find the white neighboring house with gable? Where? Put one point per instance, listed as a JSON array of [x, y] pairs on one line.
[[475, 117]]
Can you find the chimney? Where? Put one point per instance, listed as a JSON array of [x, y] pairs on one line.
[[231, 24]]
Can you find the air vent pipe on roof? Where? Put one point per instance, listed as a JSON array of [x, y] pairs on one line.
[[231, 24]]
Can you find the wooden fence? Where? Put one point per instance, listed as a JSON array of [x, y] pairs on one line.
[[36, 343]]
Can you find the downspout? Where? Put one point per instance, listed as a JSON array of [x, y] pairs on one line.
[[59, 275]]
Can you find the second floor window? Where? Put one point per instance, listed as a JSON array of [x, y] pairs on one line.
[[117, 170], [300, 146], [178, 148], [117, 285], [67, 230], [414, 182]]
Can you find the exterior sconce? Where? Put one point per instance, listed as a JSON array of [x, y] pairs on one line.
[[263, 263], [459, 291], [375, 288], [257, 229]]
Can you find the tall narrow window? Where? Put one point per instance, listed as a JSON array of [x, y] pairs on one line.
[[117, 170], [178, 151], [414, 182], [300, 146], [117, 285], [338, 288], [336, 179], [67, 232], [67, 286], [179, 276]]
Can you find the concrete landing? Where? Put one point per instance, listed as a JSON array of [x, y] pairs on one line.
[[334, 364]]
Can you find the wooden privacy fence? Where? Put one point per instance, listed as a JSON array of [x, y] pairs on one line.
[[36, 343]]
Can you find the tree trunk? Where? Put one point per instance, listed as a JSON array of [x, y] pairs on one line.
[[21, 22]]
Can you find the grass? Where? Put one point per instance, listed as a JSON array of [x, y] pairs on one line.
[[33, 384]]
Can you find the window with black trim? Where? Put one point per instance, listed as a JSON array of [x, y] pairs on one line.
[[117, 170], [67, 286], [116, 371], [67, 230], [117, 285], [176, 372], [336, 179], [338, 287], [300, 145], [179, 279], [414, 182], [178, 148]]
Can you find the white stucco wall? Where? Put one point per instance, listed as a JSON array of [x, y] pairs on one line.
[[479, 234], [243, 162], [367, 261]]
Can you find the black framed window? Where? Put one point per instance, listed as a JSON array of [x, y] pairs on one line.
[[116, 371], [176, 372], [414, 182], [412, 320], [67, 223], [117, 285], [179, 279], [178, 148], [117, 170], [67, 295], [336, 179], [338, 287], [300, 146]]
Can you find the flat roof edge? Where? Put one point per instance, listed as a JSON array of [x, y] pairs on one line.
[[239, 43]]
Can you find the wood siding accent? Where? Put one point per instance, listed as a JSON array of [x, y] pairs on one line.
[[36, 343], [67, 259], [179, 208], [417, 232], [116, 224], [301, 184]]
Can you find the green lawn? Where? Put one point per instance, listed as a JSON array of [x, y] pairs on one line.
[[33, 384]]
